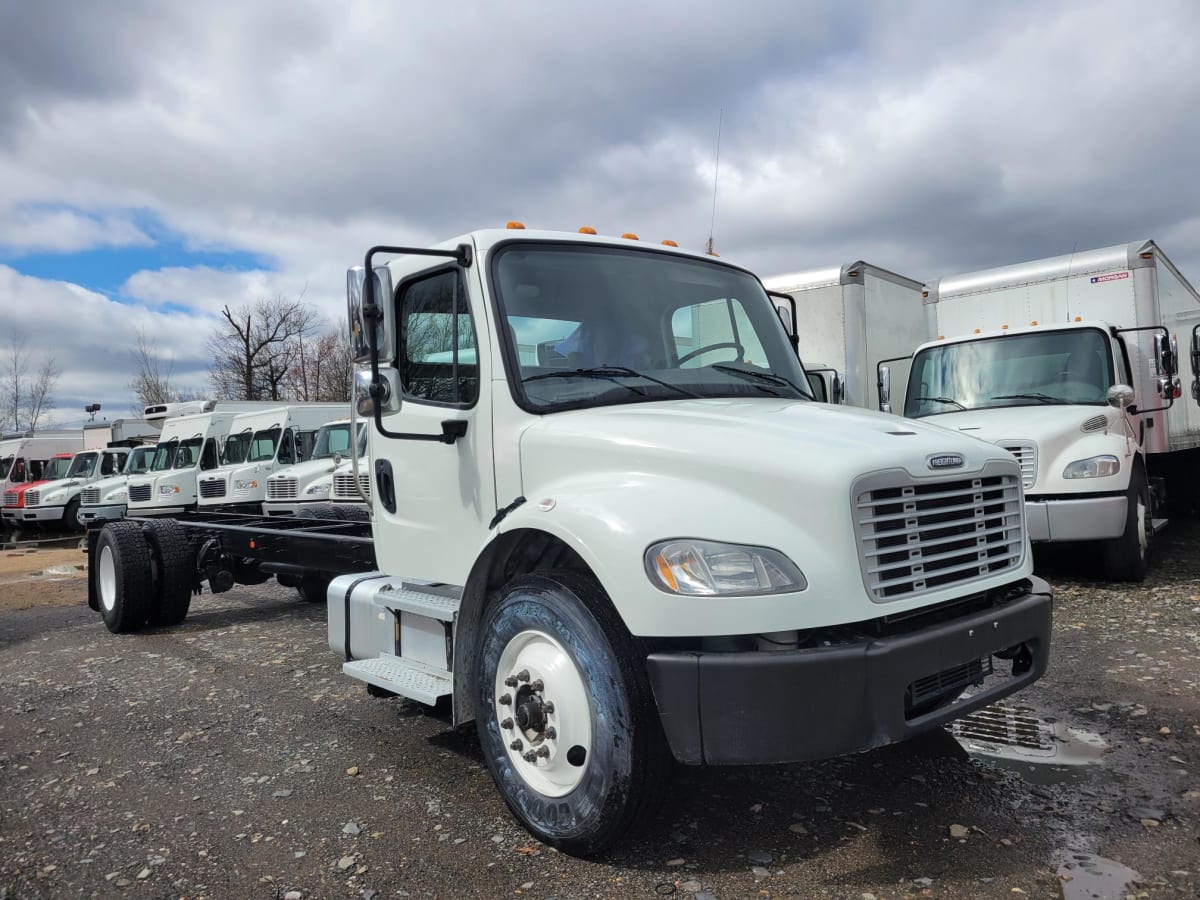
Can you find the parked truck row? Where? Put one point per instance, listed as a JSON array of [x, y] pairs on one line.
[[611, 525]]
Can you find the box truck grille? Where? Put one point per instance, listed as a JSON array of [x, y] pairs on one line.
[[32, 498], [214, 488], [916, 537], [10, 498], [90, 496], [283, 489], [343, 486], [140, 493], [949, 681], [1026, 454]]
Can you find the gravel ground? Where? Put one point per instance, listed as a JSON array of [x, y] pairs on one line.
[[229, 757]]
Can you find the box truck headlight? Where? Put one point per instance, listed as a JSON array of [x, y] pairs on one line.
[[1093, 467], [117, 496], [317, 489], [698, 568]]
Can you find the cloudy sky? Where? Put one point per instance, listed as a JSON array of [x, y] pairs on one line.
[[159, 160]]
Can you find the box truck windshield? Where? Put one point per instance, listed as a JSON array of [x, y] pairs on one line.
[[164, 456], [83, 465], [332, 439], [188, 453], [236, 448], [263, 445], [1066, 367]]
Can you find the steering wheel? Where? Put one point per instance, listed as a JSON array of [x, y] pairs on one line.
[[733, 345]]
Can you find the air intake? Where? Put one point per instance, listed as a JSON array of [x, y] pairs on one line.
[[1095, 423]]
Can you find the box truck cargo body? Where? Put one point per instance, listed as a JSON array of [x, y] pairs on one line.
[[848, 319], [1071, 364]]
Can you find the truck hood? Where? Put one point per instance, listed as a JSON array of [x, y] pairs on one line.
[[305, 471], [20, 489], [711, 440], [1033, 423]]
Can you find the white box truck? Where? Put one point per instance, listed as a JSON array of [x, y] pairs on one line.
[[273, 439], [1070, 363], [128, 432], [305, 484], [24, 455], [849, 318], [645, 541]]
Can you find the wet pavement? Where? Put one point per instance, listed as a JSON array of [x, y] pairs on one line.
[[229, 757]]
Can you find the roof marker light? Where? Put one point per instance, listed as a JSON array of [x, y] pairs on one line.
[[1034, 322], [924, 294], [941, 337], [1004, 328], [586, 229], [629, 236], [977, 331], [1147, 256], [515, 225], [669, 243], [1078, 318], [714, 253]]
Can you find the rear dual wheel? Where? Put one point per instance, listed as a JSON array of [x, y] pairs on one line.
[[143, 576]]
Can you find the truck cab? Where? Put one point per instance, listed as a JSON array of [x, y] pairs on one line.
[[57, 502], [188, 445], [108, 498], [305, 483], [258, 445], [42, 472], [24, 455]]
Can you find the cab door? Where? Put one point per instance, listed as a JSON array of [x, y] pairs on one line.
[[433, 500]]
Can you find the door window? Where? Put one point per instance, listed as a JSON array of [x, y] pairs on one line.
[[438, 360]]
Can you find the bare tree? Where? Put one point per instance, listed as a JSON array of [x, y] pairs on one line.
[[151, 382], [256, 346], [27, 392], [322, 368]]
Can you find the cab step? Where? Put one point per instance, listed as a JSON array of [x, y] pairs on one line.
[[433, 601], [1158, 525], [404, 677]]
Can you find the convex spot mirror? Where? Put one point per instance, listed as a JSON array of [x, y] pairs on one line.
[[389, 399], [385, 337], [1120, 396]]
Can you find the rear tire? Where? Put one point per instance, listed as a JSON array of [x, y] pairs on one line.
[[352, 513], [313, 588], [319, 511], [1126, 558], [578, 698], [124, 583], [175, 558]]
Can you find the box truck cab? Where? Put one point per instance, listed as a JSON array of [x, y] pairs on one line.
[[187, 445], [1070, 363], [850, 318], [45, 471], [305, 483], [259, 444], [24, 455], [57, 502], [107, 498]]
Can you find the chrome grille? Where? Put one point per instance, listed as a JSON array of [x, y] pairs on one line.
[[90, 496], [283, 488], [10, 498], [140, 493], [213, 488], [920, 536], [343, 486], [1027, 456], [32, 498]]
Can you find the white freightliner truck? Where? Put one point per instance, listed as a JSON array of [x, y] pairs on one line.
[[1070, 363], [278, 439], [309, 485], [57, 503], [646, 541], [107, 498], [851, 317]]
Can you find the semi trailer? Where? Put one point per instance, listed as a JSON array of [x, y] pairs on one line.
[[641, 540]]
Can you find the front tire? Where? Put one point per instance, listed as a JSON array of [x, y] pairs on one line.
[[124, 582], [1126, 558], [565, 714]]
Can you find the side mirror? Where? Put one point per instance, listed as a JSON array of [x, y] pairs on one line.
[[837, 388], [389, 398], [1168, 354], [1120, 396], [885, 389], [357, 315]]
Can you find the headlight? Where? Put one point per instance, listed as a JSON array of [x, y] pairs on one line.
[[118, 496], [1094, 467], [247, 485], [168, 489], [54, 499], [699, 568], [318, 488]]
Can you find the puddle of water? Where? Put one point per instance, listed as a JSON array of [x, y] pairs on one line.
[[1085, 876], [1041, 752]]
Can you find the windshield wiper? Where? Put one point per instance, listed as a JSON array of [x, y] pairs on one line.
[[611, 373], [941, 400], [764, 376], [1035, 395]]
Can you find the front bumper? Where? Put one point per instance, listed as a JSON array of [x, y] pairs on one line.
[[22, 514], [149, 511], [1085, 519], [288, 507], [797, 705], [110, 512]]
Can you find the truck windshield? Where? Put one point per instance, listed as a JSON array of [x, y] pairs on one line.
[[235, 449], [83, 465], [188, 453], [138, 462], [1054, 367], [164, 455], [600, 326], [262, 447], [5, 465], [56, 469], [332, 439]]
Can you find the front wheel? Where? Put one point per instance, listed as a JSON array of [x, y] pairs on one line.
[[1126, 557], [565, 715]]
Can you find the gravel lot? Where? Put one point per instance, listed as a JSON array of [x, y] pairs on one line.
[[229, 757]]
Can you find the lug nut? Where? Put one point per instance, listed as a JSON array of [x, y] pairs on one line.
[[505, 699], [515, 745], [510, 681], [537, 686], [507, 723], [543, 752], [551, 733], [523, 675], [549, 707], [530, 756]]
